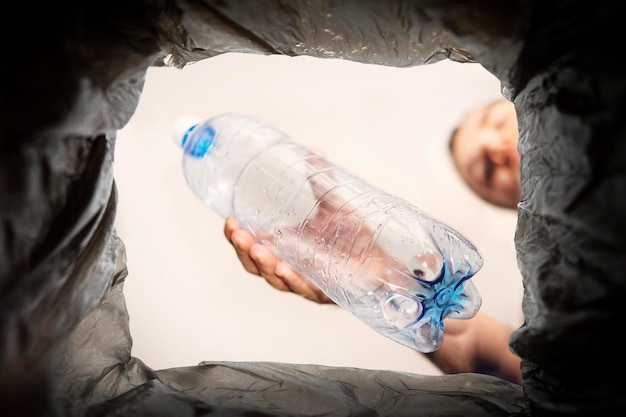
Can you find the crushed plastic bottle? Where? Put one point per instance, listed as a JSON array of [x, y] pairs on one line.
[[387, 262]]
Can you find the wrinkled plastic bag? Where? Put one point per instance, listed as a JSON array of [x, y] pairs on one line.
[[68, 84]]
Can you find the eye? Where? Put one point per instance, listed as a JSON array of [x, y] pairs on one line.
[[502, 122], [426, 266]]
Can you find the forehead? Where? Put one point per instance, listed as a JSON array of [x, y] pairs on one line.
[[478, 117], [466, 140]]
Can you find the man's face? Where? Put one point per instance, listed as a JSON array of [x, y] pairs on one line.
[[484, 150]]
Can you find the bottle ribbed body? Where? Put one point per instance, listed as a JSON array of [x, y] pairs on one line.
[[387, 262]]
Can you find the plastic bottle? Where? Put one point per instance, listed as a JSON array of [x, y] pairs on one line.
[[384, 260]]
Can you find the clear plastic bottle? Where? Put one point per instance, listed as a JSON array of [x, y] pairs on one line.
[[384, 260]]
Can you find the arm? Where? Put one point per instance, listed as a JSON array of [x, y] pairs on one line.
[[476, 345], [480, 345]]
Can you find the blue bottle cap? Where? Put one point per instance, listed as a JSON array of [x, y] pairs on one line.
[[201, 142]]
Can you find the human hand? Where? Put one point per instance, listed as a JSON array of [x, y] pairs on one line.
[[259, 260], [480, 344]]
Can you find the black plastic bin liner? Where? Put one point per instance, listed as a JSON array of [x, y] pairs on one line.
[[72, 75]]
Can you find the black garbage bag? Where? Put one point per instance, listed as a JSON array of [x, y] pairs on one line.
[[72, 75]]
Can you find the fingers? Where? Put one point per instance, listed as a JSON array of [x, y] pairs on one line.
[[282, 276], [259, 260], [243, 241], [230, 225], [266, 263], [256, 258], [299, 285]]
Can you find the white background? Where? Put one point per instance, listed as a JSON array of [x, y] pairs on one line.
[[188, 297]]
